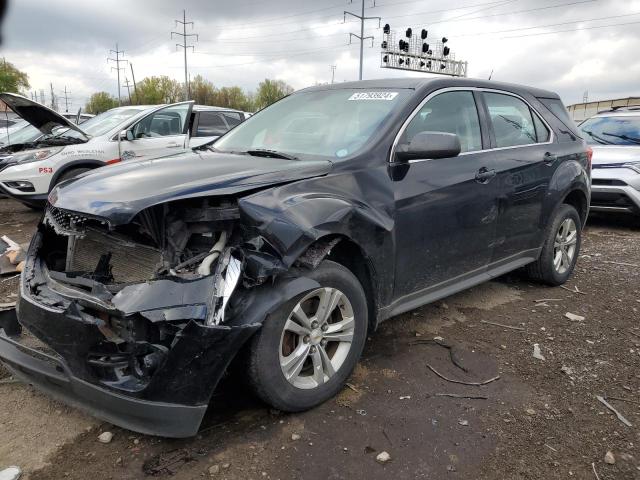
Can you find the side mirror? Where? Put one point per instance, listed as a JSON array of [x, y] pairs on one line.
[[429, 145], [126, 135]]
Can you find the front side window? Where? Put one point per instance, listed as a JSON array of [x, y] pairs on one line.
[[612, 130], [162, 123], [334, 123], [449, 112], [512, 120]]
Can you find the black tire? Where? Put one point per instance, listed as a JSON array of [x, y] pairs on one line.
[[543, 269], [266, 377], [71, 173]]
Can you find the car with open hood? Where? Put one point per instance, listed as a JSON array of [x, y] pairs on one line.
[[61, 149], [283, 245], [614, 136]]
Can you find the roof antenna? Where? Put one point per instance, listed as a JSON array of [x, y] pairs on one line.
[[491, 74]]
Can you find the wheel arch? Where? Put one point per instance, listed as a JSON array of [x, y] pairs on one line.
[[85, 163], [578, 199], [345, 251]]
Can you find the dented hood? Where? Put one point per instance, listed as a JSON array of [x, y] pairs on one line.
[[118, 192], [41, 117]]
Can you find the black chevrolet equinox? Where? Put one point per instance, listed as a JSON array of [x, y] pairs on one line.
[[286, 242]]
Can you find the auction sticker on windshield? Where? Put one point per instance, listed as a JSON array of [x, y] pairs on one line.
[[374, 96]]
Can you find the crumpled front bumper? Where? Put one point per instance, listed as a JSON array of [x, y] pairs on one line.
[[173, 399], [52, 376]]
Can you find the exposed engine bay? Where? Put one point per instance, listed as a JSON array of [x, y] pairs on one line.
[[148, 290]]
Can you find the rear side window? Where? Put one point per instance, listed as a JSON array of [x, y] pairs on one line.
[[232, 118], [449, 112], [212, 124], [542, 132], [512, 120]]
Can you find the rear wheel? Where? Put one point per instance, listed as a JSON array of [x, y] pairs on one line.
[[305, 351], [561, 248]]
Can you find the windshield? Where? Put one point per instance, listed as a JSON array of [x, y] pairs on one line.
[[614, 130], [28, 133], [331, 123], [103, 123]]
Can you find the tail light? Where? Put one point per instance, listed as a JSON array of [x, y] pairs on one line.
[[589, 156]]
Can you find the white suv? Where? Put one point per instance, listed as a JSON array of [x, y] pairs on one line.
[[28, 171], [614, 137]]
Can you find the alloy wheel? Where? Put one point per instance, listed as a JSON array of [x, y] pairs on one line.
[[564, 246], [316, 338]]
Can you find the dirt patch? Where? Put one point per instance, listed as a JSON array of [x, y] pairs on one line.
[[541, 419]]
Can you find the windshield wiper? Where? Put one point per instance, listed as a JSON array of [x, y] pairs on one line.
[[597, 137], [623, 137], [263, 152]]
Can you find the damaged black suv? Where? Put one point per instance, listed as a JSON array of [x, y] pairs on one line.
[[288, 241]]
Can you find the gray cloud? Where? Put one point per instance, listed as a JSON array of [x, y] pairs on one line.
[[242, 42]]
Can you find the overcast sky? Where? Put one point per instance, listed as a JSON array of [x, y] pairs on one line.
[[241, 42]]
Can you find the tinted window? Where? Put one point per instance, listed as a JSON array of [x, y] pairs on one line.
[[212, 124], [542, 132], [232, 118], [512, 120], [557, 108], [450, 112], [614, 130]]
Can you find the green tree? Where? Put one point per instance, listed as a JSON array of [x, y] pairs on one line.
[[100, 102], [157, 90], [203, 91], [233, 97], [11, 79], [270, 91]]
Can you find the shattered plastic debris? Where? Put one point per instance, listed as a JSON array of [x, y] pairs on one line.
[[573, 317], [536, 352], [11, 473]]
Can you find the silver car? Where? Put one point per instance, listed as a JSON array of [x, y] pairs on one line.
[[614, 137]]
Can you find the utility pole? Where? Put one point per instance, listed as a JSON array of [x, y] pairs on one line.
[[133, 76], [118, 60], [53, 97], [66, 99], [185, 46], [128, 85], [42, 99], [361, 37], [333, 73]]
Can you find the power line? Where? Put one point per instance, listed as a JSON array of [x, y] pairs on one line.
[[576, 29], [185, 46], [361, 37], [117, 68], [545, 26]]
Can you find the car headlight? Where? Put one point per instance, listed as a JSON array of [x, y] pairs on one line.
[[35, 155], [635, 166]]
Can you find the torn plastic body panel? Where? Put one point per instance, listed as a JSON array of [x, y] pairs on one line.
[[126, 314]]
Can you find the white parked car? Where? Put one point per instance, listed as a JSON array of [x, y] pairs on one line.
[[28, 171]]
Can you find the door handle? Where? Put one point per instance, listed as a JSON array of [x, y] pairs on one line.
[[173, 145], [485, 175], [549, 158]]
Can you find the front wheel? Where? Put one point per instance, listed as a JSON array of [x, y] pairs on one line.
[[307, 349], [561, 248]]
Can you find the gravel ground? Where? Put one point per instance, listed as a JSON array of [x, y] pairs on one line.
[[540, 420]]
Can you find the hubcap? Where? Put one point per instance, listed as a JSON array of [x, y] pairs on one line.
[[564, 246], [317, 337]]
